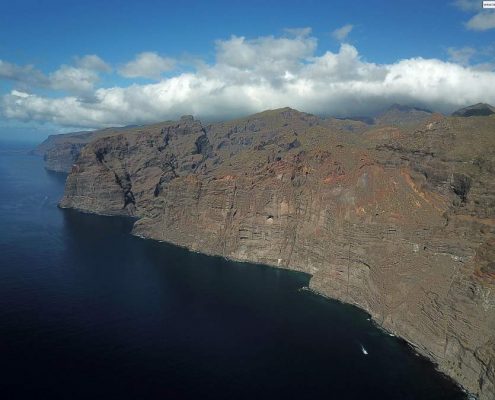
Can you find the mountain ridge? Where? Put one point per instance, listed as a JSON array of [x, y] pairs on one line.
[[475, 110], [61, 150]]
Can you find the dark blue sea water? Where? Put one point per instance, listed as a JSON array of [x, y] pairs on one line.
[[88, 311]]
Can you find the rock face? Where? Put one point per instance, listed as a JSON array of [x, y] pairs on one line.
[[61, 151], [398, 221], [400, 115], [476, 110]]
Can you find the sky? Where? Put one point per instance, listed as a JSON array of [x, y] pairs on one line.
[[75, 65]]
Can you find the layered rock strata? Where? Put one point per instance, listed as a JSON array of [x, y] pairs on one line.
[[61, 151]]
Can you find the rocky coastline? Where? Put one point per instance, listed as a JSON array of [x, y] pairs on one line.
[[395, 218]]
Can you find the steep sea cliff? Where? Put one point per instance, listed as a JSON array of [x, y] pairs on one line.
[[398, 221]]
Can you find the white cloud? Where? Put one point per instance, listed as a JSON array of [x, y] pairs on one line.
[[20, 94], [73, 80], [93, 63], [79, 79], [461, 55], [26, 74], [468, 5], [341, 33], [147, 65], [250, 75], [482, 21], [298, 31], [266, 59]]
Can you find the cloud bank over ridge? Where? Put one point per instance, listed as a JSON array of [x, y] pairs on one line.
[[248, 75]]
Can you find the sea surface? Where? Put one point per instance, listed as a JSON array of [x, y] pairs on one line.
[[89, 311]]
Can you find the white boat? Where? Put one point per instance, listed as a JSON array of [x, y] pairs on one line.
[[365, 352]]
